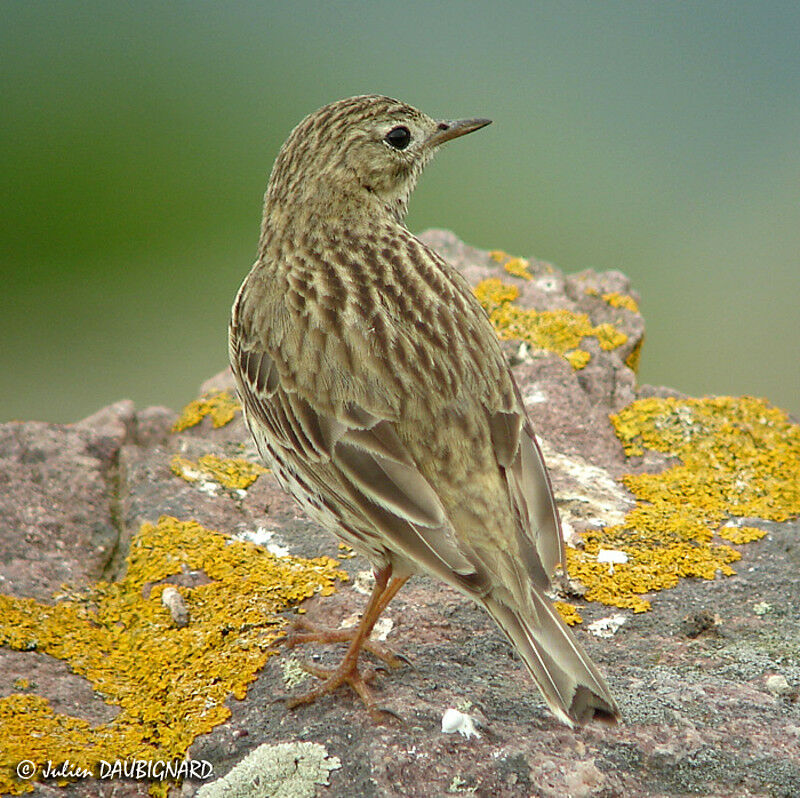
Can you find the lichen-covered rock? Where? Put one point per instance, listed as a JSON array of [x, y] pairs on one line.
[[660, 494], [285, 770]]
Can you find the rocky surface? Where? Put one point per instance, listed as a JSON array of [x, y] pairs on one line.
[[707, 680]]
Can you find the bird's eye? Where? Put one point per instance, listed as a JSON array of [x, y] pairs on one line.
[[399, 137]]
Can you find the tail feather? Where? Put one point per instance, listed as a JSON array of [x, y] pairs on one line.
[[569, 681]]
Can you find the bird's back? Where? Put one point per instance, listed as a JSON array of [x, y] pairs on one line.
[[371, 317]]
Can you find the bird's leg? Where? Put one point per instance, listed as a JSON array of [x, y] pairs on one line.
[[302, 632], [383, 592], [385, 589]]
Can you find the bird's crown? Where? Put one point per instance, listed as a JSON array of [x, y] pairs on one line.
[[368, 148]]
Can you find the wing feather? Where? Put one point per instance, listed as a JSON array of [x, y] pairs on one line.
[[539, 537], [356, 463]]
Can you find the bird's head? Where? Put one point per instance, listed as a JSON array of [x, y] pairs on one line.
[[362, 149]]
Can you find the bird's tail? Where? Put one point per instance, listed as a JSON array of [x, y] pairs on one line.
[[568, 679]]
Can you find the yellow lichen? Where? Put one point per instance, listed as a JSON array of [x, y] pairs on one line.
[[170, 684], [493, 293], [231, 473], [345, 552], [626, 301], [737, 457], [741, 534], [577, 358], [560, 331], [632, 361], [609, 337], [221, 407], [518, 267], [568, 612]]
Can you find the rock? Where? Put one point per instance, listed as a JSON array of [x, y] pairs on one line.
[[689, 674], [777, 684], [57, 517]]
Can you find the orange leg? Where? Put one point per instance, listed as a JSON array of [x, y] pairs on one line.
[[385, 589]]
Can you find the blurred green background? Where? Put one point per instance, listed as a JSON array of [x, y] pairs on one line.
[[662, 139]]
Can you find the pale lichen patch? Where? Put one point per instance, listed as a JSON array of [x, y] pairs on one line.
[[294, 673], [288, 770]]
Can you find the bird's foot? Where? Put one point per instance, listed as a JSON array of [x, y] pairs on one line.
[[358, 638], [346, 674], [302, 632]]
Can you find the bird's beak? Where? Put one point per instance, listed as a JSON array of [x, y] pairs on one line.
[[448, 129]]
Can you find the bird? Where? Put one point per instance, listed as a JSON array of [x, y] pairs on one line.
[[375, 388]]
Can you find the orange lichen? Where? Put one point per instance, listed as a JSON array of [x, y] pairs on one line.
[[560, 331], [738, 457], [221, 407], [231, 473], [170, 684]]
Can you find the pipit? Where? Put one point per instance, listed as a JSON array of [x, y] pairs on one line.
[[375, 388]]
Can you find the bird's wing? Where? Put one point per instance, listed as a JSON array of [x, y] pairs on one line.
[[340, 404], [538, 526], [352, 461], [540, 541]]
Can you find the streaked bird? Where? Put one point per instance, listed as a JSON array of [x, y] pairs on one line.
[[375, 388]]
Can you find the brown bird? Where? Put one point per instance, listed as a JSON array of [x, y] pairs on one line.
[[375, 388]]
